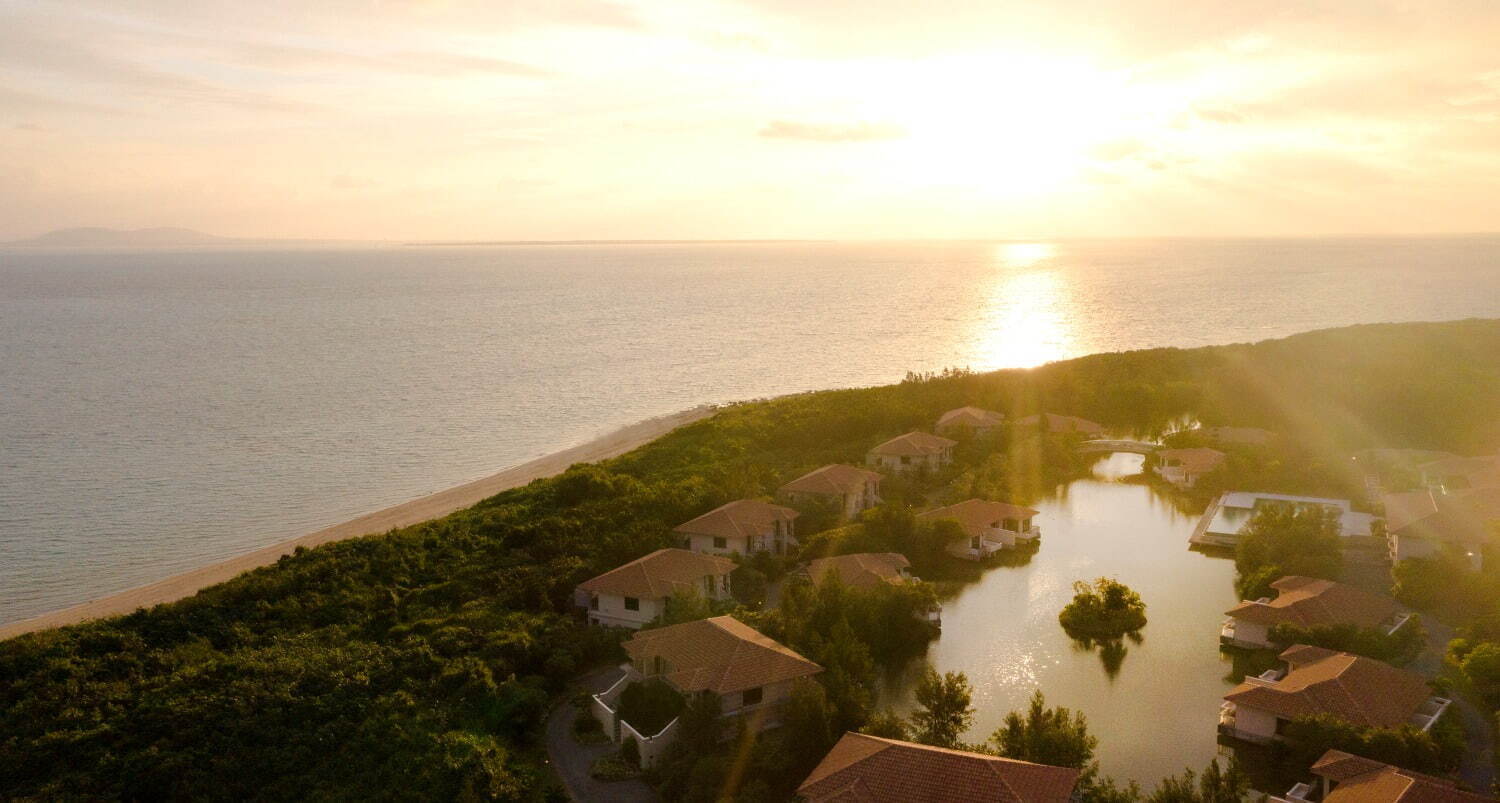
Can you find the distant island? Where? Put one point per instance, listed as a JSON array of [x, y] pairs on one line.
[[158, 237]]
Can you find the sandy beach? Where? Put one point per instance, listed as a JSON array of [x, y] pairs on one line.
[[403, 515]]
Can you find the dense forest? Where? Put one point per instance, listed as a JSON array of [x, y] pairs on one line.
[[420, 663]]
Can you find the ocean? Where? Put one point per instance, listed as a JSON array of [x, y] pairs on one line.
[[166, 409]]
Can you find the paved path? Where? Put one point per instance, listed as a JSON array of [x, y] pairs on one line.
[[1478, 767], [572, 760]]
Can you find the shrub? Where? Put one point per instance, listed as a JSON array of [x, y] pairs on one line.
[[630, 752], [1104, 610], [650, 706], [613, 767]]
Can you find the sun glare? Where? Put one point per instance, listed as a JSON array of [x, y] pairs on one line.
[[1025, 323]]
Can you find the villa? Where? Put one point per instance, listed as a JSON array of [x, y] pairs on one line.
[[1422, 524], [850, 489], [1361, 691], [870, 769], [1059, 424], [1461, 473], [637, 592], [1347, 778], [861, 570], [1308, 602], [1236, 436], [742, 527], [988, 526], [970, 420], [750, 674], [1222, 522], [1183, 467], [914, 451]]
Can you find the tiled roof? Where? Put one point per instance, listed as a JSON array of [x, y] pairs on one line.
[[740, 518], [977, 515], [1472, 467], [1198, 460], [970, 417], [834, 479], [1061, 423], [1460, 516], [720, 655], [1359, 690], [1308, 601], [658, 574], [870, 769], [1361, 780], [861, 570], [913, 444]]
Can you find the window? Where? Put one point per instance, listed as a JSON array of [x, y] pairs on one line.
[[974, 542], [594, 602], [905, 460], [750, 697], [721, 543], [632, 604]]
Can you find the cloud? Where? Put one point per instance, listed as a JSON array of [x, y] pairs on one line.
[[1219, 115], [831, 132]]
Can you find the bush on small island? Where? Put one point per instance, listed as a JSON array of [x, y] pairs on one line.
[[1104, 610]]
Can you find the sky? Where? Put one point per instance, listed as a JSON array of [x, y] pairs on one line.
[[583, 119]]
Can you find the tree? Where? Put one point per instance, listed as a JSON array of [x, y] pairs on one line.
[[1285, 540], [1042, 735], [807, 724], [1481, 665], [1213, 786], [888, 724], [946, 712], [1104, 609], [685, 605]]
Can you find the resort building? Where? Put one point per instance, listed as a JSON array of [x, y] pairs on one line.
[[750, 674], [1054, 424], [870, 769], [969, 420], [1221, 523], [742, 527], [861, 570], [1422, 524], [851, 490], [1361, 691], [1236, 436], [1183, 467], [636, 593], [1461, 473], [1308, 602], [914, 451], [988, 527], [1347, 778]]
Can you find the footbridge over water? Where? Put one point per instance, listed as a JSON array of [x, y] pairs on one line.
[[1134, 447]]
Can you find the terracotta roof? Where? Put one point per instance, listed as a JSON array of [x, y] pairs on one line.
[[740, 518], [835, 479], [862, 569], [720, 655], [658, 574], [1460, 516], [970, 417], [1061, 423], [875, 770], [1238, 434], [914, 444], [1359, 690], [1474, 468], [1362, 780], [1308, 601], [977, 515], [1198, 460]]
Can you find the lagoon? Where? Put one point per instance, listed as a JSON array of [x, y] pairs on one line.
[[1156, 712]]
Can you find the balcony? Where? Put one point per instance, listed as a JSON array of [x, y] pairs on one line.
[[1301, 793], [1430, 712]]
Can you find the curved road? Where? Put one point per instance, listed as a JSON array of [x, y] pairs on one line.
[[572, 760]]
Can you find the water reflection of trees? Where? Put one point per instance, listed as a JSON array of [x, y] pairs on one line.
[[1111, 652]]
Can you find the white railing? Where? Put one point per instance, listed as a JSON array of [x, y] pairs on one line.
[[1301, 793], [603, 707], [1268, 678], [1430, 712]]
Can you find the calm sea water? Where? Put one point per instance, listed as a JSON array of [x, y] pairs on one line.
[[162, 410]]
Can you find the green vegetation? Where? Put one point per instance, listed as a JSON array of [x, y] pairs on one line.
[[1281, 540], [616, 766], [1213, 785], [1400, 647], [1435, 752], [420, 663], [1104, 610], [945, 713], [650, 706]]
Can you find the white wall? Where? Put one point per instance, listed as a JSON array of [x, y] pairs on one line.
[[1251, 632], [612, 612], [705, 544], [1255, 723]]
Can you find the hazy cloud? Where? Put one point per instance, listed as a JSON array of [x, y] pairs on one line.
[[831, 132]]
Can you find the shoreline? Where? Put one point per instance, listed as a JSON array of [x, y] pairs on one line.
[[405, 514]]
